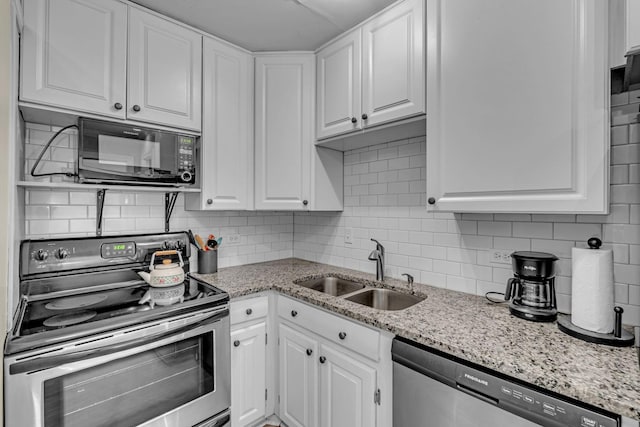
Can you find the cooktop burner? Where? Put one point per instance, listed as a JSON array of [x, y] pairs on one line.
[[67, 319]]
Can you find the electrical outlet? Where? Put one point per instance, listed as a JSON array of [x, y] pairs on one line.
[[348, 235], [232, 239], [501, 257]]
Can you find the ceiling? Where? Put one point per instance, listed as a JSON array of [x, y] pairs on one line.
[[264, 25]]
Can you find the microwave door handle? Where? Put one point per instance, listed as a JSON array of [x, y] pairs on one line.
[[42, 363]]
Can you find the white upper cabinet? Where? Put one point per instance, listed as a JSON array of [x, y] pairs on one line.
[[338, 86], [164, 72], [518, 106], [74, 55], [101, 57], [632, 15], [290, 172], [393, 64], [226, 145], [373, 74]]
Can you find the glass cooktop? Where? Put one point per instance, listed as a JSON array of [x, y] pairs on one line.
[[49, 314]]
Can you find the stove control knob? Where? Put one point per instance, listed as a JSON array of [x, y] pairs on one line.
[[41, 255], [62, 253]]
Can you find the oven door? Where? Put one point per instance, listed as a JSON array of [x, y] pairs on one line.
[[171, 373]]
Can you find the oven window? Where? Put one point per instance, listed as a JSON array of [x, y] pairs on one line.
[[134, 389], [121, 153]]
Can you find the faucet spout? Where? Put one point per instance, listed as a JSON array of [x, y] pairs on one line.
[[377, 255]]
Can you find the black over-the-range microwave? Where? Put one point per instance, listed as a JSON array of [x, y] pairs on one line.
[[125, 154]]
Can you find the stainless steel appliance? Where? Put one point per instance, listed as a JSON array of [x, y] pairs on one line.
[[432, 389], [84, 349], [120, 153], [531, 292]]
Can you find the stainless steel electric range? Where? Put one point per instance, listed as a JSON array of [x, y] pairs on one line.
[[85, 350]]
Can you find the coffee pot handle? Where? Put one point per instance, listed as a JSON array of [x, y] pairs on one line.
[[511, 289]]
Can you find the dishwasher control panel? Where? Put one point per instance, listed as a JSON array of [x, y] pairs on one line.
[[526, 400]]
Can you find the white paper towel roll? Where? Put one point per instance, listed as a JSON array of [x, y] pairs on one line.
[[592, 289]]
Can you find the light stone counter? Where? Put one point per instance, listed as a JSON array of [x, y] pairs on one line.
[[469, 327]]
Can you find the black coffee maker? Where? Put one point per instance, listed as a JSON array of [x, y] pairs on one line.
[[531, 293]]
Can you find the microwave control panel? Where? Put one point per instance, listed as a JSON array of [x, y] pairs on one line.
[[186, 158]]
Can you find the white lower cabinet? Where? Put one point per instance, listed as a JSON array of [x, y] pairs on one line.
[[298, 378], [347, 390], [248, 361], [332, 371]]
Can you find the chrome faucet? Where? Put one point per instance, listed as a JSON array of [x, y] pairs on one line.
[[377, 255]]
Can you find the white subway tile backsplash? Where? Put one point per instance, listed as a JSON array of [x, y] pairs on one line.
[[494, 228], [46, 228], [68, 212], [540, 230], [37, 212], [47, 197], [579, 232]]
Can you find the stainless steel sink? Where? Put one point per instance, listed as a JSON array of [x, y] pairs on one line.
[[332, 286], [385, 299]]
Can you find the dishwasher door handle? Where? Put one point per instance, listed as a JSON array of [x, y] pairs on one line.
[[477, 394]]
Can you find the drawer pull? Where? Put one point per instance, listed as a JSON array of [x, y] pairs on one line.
[[294, 313], [322, 359], [342, 335], [249, 311], [309, 352], [236, 343]]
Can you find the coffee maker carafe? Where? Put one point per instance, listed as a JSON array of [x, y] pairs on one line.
[[531, 292]]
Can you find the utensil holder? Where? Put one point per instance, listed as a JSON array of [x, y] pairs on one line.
[[207, 262]]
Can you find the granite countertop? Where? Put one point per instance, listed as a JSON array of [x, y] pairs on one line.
[[469, 327]]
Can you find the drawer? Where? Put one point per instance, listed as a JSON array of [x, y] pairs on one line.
[[345, 333], [249, 309]]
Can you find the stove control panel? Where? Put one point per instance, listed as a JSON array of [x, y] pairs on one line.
[[46, 256], [118, 249]]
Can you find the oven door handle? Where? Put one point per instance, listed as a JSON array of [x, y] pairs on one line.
[[46, 362]]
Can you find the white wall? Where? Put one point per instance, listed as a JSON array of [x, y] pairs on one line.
[[385, 200]]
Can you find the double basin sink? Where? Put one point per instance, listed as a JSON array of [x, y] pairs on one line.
[[381, 299]]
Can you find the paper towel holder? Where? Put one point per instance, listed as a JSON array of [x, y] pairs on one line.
[[618, 338]]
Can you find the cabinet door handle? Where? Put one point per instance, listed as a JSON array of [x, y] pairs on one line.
[[305, 202], [322, 359], [354, 120], [249, 311], [365, 117], [117, 106], [209, 201], [342, 335], [309, 352], [431, 200], [136, 108], [236, 343], [294, 313]]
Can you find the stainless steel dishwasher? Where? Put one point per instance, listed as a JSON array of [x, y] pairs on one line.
[[431, 389]]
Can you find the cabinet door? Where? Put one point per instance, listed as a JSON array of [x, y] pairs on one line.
[[632, 14], [283, 131], [165, 72], [338, 85], [74, 55], [347, 389], [518, 117], [298, 378], [227, 139], [248, 374], [393, 64]]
